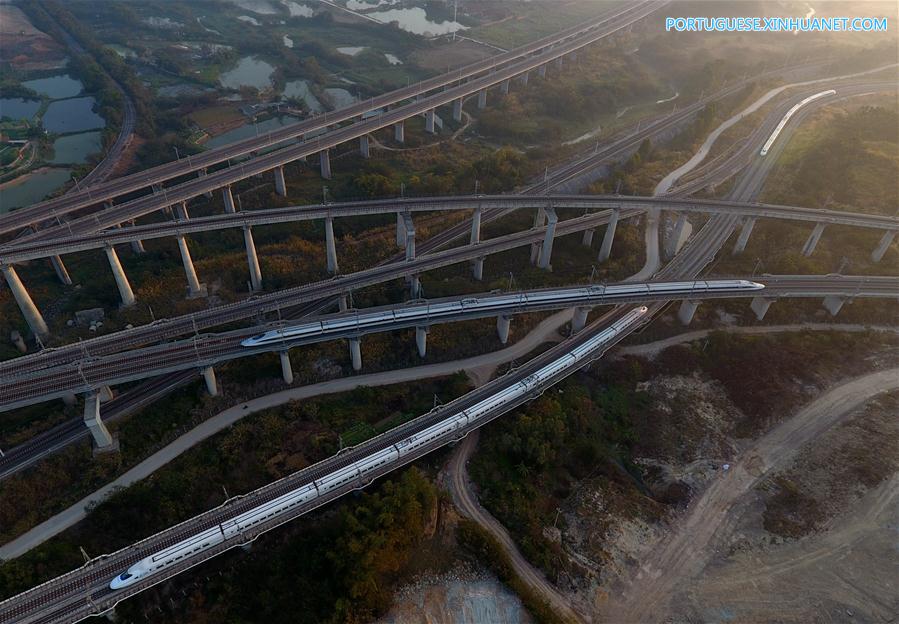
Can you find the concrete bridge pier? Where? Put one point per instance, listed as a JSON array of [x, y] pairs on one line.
[[559, 62], [539, 221], [882, 246], [121, 280], [356, 353], [421, 340], [280, 182], [400, 230], [137, 246], [364, 147], [429, 121], [228, 197], [409, 237], [61, 272], [678, 237], [399, 132], [477, 269], [524, 78], [476, 226], [504, 86], [457, 110], [415, 287], [194, 287], [760, 306], [103, 440], [252, 259], [503, 323], [212, 385], [26, 304], [181, 211], [343, 303], [105, 394], [743, 238], [587, 239], [330, 246], [201, 173], [579, 320], [482, 99], [325, 162], [541, 71], [547, 248], [813, 238], [834, 304], [286, 369], [686, 311]]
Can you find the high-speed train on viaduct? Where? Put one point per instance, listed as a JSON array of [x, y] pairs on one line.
[[455, 426], [432, 312]]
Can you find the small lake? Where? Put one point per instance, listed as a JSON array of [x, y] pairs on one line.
[[250, 72], [415, 20], [56, 87], [17, 108], [299, 10], [33, 187], [300, 89], [350, 50], [73, 115], [249, 130], [340, 97], [74, 149]]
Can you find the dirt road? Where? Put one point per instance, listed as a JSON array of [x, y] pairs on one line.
[[646, 595]]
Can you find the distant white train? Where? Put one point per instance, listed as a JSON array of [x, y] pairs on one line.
[[360, 472], [786, 118], [372, 321]]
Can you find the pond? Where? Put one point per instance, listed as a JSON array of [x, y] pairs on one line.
[[56, 87], [300, 89], [299, 10], [248, 130], [415, 20], [350, 50], [74, 149], [340, 97], [250, 72], [32, 188], [17, 108], [73, 115]]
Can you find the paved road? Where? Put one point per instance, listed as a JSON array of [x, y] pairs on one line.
[[644, 597]]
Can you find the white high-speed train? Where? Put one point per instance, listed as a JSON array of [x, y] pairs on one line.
[[786, 118], [360, 472], [371, 321]]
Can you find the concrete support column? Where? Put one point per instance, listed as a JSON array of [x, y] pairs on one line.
[[252, 259], [181, 211], [457, 110], [363, 146], [61, 272], [605, 250], [400, 231], [121, 280], [137, 246], [429, 121], [579, 320], [330, 246], [194, 287], [587, 239], [547, 249], [539, 221], [476, 226], [482, 99], [503, 323], [882, 246], [105, 394], [541, 71], [760, 306], [477, 269], [559, 62], [421, 340], [356, 353], [410, 236], [212, 385], [343, 303], [415, 287], [286, 369], [228, 197], [678, 237], [743, 238], [834, 304], [26, 304], [813, 239], [325, 161], [102, 438], [504, 87], [524, 78], [399, 133], [686, 311], [280, 182]]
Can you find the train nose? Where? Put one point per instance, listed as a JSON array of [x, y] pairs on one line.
[[120, 581]]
